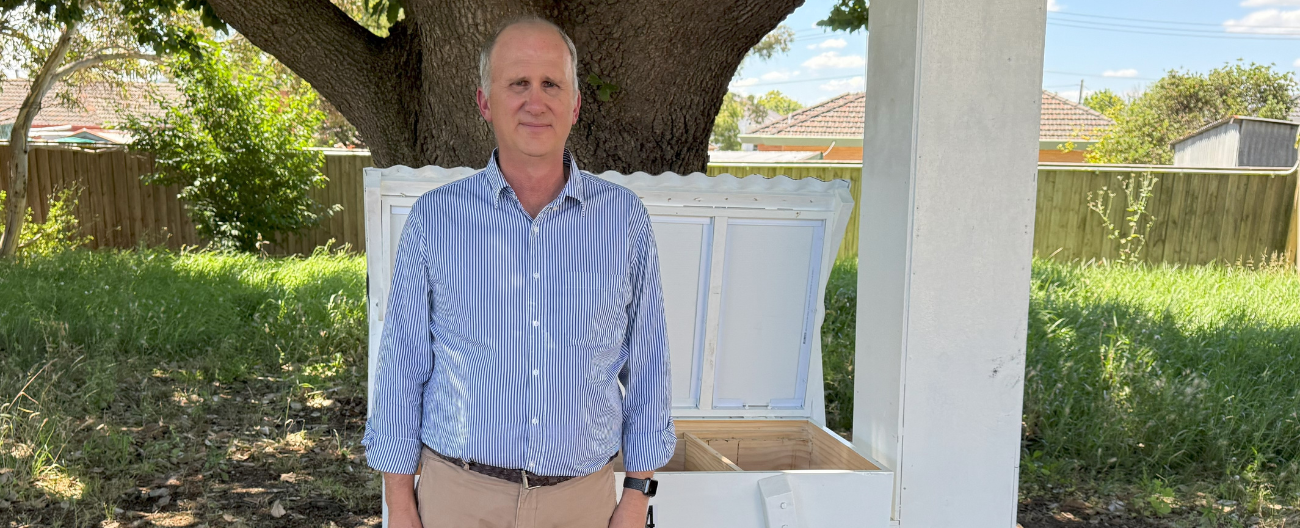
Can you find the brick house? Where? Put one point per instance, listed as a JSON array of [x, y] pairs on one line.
[[834, 129]]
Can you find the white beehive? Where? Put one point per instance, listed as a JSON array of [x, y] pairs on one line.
[[744, 263]]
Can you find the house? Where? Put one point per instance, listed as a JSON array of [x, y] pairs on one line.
[[1239, 141], [99, 108], [833, 130]]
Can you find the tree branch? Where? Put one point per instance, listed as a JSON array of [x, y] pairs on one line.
[[41, 84], [100, 59], [314, 38], [346, 63]]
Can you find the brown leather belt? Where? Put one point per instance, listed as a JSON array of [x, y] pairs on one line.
[[517, 476]]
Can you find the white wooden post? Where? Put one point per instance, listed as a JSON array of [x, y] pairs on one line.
[[947, 211]]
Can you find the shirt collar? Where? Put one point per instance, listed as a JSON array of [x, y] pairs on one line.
[[572, 188]]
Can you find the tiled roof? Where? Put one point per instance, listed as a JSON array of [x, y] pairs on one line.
[[100, 103], [839, 117], [1064, 120], [843, 116]]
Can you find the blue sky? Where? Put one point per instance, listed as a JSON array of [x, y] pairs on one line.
[[1121, 45]]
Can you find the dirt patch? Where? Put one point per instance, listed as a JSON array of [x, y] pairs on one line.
[[1079, 514], [179, 451]]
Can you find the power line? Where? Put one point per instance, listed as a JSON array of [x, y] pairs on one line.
[[1222, 36], [1056, 72], [1173, 22], [1178, 29], [801, 81]]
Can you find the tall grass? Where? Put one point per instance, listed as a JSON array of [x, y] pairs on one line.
[[839, 329], [1185, 375], [90, 341], [1148, 377], [231, 311]]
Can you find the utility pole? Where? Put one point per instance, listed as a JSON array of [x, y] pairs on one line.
[[1080, 101]]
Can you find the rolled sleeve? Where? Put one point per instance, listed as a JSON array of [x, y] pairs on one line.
[[649, 437], [392, 438]]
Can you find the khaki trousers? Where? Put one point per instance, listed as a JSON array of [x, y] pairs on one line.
[[452, 497]]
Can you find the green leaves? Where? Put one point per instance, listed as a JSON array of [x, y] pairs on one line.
[[387, 10], [1181, 102], [604, 88], [238, 146], [847, 15], [755, 110]]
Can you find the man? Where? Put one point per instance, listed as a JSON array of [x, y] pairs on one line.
[[522, 298]]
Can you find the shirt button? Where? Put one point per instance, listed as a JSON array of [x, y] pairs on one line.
[[530, 464], [535, 323], [536, 275], [534, 420], [535, 228], [534, 372]]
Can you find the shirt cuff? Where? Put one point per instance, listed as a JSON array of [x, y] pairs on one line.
[[392, 455], [648, 451]]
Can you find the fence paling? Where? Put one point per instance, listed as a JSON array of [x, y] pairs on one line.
[[1200, 215]]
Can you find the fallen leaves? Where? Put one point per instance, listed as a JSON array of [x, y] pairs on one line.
[[277, 510]]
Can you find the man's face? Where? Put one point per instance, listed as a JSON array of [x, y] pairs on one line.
[[532, 103]]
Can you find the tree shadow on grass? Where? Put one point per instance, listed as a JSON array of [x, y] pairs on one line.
[[1119, 392], [172, 389]]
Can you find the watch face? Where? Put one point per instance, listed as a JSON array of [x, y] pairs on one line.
[[652, 487]]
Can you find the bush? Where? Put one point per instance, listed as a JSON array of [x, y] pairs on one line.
[[61, 230], [238, 147]]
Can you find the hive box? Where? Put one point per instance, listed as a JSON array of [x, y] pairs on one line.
[[745, 263]]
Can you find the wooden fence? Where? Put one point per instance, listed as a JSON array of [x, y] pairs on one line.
[[114, 208], [1197, 215], [117, 210], [1200, 215]]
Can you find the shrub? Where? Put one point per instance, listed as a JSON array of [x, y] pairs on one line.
[[59, 232], [238, 147]]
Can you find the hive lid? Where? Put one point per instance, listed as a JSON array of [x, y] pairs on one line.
[[744, 263]]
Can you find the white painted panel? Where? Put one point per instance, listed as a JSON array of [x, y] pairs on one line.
[[396, 222], [683, 244], [770, 273], [826, 499]]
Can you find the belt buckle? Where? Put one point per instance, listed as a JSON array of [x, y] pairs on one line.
[[524, 473]]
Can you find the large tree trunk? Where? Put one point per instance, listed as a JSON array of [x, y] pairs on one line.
[[411, 95]]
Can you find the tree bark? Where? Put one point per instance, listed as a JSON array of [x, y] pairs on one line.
[[411, 95], [16, 202]]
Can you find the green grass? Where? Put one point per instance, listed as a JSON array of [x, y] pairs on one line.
[[1165, 385], [1182, 376], [119, 369], [1172, 389]]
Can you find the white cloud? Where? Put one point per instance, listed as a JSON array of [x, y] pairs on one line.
[[741, 86], [844, 85], [1268, 21], [1296, 63], [1265, 3], [776, 76], [833, 59], [1127, 72], [1073, 95], [833, 44], [1054, 6]]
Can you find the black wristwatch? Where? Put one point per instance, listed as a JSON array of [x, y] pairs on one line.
[[646, 486]]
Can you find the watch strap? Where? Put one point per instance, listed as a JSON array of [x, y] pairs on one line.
[[647, 486]]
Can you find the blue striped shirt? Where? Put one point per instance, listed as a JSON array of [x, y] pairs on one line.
[[507, 338]]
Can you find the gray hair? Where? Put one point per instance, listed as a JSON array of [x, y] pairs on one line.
[[485, 55]]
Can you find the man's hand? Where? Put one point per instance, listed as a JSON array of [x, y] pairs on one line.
[[630, 512], [399, 491]]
